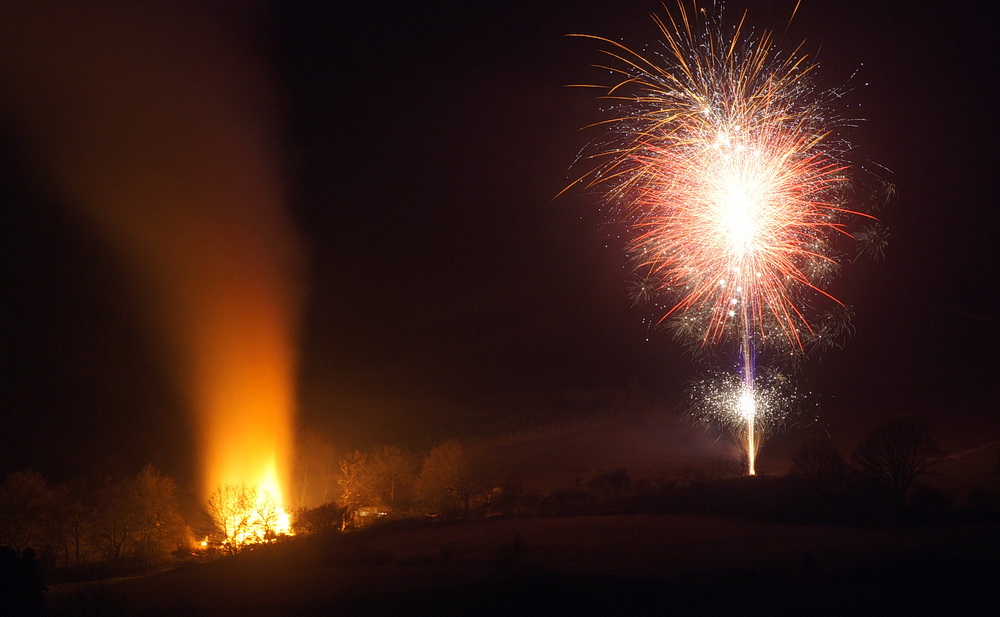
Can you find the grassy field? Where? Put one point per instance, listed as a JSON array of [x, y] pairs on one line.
[[601, 565]]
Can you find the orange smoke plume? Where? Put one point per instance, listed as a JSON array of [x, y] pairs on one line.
[[156, 123]]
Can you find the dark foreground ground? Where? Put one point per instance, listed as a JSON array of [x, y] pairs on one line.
[[603, 565]]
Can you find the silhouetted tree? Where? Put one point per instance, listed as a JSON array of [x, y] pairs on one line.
[[896, 454], [136, 516], [451, 477], [610, 484], [377, 479], [113, 515], [822, 465], [355, 485], [511, 498], [319, 519], [159, 527], [315, 470], [572, 500], [70, 529], [25, 507], [91, 520], [390, 473]]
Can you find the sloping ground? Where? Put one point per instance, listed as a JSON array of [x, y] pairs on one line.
[[647, 445], [961, 473], [662, 444], [609, 565]]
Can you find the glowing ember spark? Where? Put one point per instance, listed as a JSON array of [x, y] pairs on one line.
[[723, 163], [746, 406]]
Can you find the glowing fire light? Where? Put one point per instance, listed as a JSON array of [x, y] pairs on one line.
[[248, 440], [247, 421], [186, 186], [243, 391], [247, 514], [725, 166]]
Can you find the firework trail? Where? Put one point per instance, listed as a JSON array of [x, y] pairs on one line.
[[723, 399], [723, 161]]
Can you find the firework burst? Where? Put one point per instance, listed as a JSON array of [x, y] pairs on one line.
[[725, 163], [750, 411]]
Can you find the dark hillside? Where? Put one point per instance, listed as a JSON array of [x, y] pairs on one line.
[[609, 565]]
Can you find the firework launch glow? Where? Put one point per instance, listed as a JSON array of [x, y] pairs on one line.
[[725, 163], [749, 412]]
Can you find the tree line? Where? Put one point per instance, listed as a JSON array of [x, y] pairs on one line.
[[361, 487], [136, 520], [90, 519], [882, 478]]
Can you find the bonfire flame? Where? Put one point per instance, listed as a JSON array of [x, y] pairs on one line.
[[248, 514]]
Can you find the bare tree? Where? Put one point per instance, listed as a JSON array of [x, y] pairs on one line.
[[896, 454], [315, 470], [355, 484], [70, 529], [134, 516], [390, 473], [322, 518], [159, 527], [819, 462], [95, 519], [112, 518], [451, 477], [25, 505], [610, 485], [243, 515]]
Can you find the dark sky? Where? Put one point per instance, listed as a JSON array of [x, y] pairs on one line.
[[448, 293]]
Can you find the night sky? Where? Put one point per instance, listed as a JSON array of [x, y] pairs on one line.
[[447, 291]]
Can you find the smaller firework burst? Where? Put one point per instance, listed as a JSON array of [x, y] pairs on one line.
[[748, 409]]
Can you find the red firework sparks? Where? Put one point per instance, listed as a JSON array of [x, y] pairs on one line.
[[729, 177]]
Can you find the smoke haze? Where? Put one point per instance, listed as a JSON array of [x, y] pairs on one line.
[[156, 121]]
